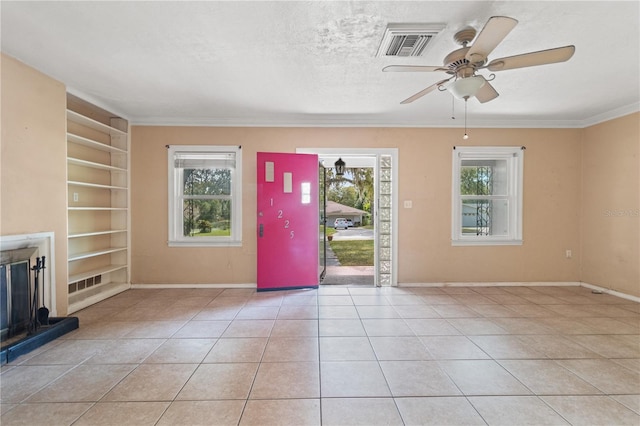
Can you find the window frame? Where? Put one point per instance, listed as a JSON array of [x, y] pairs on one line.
[[514, 157], [175, 199]]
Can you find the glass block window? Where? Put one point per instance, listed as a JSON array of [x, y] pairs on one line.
[[385, 219]]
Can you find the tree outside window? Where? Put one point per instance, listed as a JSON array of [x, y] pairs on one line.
[[205, 195], [207, 202], [354, 188]]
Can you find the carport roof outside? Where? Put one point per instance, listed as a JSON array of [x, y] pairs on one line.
[[337, 209]]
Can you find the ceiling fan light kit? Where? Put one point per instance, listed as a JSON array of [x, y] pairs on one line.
[[465, 88]]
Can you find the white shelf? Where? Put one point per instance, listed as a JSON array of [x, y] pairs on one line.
[[97, 233], [97, 152], [95, 253], [93, 124], [96, 185], [94, 272], [90, 143], [97, 208], [100, 166]]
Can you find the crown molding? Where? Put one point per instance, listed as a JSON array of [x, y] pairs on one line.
[[364, 120], [338, 121], [612, 114]]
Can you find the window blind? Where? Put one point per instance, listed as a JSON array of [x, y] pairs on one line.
[[204, 160]]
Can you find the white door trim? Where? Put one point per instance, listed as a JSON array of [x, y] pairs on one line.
[[360, 157]]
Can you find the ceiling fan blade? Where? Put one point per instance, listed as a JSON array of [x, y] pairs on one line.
[[424, 91], [486, 93], [412, 68], [494, 31], [542, 57]]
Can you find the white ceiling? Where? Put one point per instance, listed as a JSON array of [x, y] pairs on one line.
[[313, 63]]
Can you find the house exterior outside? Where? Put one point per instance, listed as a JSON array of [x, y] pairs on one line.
[[336, 210]]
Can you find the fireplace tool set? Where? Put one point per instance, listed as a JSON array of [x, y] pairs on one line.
[[31, 321], [38, 316]]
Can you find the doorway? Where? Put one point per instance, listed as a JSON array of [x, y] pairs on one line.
[[382, 163], [349, 225]]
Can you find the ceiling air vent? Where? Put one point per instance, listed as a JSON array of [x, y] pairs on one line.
[[407, 39]]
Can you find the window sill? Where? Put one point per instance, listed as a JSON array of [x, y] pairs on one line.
[[485, 242], [204, 243]]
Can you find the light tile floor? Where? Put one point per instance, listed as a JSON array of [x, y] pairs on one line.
[[338, 355]]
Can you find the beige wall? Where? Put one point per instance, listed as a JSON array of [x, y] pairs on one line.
[[611, 205], [551, 203], [34, 156], [550, 219], [581, 193]]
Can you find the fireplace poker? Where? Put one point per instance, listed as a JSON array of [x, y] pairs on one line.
[[43, 312], [33, 320]]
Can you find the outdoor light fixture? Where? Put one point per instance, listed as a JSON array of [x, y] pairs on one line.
[[340, 166]]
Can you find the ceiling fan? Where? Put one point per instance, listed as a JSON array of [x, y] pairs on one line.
[[462, 64]]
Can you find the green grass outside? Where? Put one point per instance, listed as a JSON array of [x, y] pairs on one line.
[[214, 233], [330, 231], [353, 253]]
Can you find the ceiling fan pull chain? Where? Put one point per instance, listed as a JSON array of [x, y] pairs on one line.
[[466, 136], [453, 108]]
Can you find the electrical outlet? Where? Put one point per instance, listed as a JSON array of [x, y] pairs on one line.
[[568, 254], [75, 197], [408, 204]]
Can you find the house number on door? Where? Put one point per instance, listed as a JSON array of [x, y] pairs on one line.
[[287, 223]]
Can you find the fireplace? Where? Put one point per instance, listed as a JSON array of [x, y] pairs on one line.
[[27, 287], [17, 289]]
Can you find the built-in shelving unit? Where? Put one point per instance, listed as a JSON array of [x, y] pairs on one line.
[[98, 203]]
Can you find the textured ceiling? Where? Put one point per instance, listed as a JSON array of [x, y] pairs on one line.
[[286, 63]]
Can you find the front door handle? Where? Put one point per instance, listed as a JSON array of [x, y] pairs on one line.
[[261, 231]]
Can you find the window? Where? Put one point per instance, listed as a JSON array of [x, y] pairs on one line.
[[487, 195], [205, 195]]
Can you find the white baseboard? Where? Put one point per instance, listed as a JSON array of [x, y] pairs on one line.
[[159, 285], [495, 284], [611, 292]]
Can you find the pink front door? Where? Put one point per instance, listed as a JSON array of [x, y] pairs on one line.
[[288, 220]]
